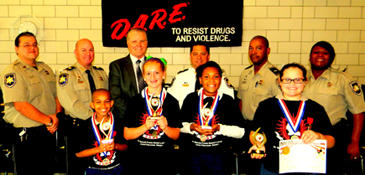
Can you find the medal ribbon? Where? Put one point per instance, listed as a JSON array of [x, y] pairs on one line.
[[207, 122], [147, 98], [96, 131], [293, 122]]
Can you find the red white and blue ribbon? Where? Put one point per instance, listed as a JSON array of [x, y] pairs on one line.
[[147, 99], [96, 129], [207, 120], [294, 123]]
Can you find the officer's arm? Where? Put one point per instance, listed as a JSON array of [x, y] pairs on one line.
[[226, 87], [31, 112], [68, 98], [353, 148], [58, 105]]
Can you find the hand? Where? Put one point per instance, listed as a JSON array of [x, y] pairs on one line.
[[150, 123], [310, 136], [106, 147], [162, 122], [55, 123], [257, 156], [354, 150], [199, 129]]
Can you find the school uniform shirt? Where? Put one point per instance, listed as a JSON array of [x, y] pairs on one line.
[[270, 118], [86, 140], [227, 115], [136, 115]]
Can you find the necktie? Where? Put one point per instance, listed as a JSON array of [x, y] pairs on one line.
[[91, 81], [139, 77]]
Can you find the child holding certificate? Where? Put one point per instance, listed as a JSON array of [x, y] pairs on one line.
[[287, 116], [101, 137], [211, 121]]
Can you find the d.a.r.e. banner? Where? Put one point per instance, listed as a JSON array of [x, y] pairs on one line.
[[173, 23]]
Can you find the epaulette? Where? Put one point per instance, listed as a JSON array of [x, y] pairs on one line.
[[97, 68], [229, 85], [248, 67], [183, 70], [70, 68], [274, 70]]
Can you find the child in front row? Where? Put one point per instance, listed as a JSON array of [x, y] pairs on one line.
[[101, 137]]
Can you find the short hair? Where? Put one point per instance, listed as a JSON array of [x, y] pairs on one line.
[[157, 60], [294, 65], [266, 41], [201, 68], [200, 44], [137, 30], [326, 45], [100, 90], [23, 34]]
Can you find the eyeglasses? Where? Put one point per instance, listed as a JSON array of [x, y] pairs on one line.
[[28, 45], [295, 80]]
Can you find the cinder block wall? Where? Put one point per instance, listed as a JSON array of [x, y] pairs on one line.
[[292, 27]]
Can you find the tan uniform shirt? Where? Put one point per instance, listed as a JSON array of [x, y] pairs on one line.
[[337, 92], [253, 88], [24, 83], [74, 91]]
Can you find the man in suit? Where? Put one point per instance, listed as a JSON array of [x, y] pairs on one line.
[[125, 76]]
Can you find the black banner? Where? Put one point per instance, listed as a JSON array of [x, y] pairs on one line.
[[173, 23]]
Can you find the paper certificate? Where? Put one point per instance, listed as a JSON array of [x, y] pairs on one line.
[[295, 156]]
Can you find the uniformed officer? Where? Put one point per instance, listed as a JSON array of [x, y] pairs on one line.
[[75, 86], [257, 83], [337, 92], [185, 81], [31, 104]]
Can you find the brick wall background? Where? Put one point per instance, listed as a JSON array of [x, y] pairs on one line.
[[292, 27]]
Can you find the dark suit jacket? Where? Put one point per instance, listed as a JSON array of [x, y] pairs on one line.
[[122, 84]]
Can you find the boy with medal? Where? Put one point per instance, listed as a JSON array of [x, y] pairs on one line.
[[99, 148]]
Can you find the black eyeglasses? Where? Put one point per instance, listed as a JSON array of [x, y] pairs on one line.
[[295, 80]]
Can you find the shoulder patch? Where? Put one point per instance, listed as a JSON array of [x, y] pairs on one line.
[[248, 67], [356, 89], [63, 79], [183, 71], [274, 70], [10, 80], [70, 68], [229, 85], [97, 68]]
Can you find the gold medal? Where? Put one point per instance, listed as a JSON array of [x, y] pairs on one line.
[[294, 137], [286, 150], [203, 138], [154, 133], [106, 161]]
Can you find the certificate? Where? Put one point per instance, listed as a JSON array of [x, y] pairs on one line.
[[295, 156]]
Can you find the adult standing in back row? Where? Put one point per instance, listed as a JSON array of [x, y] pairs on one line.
[[337, 92], [125, 75]]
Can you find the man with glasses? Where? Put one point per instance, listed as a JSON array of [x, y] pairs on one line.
[[31, 104], [337, 92], [257, 83]]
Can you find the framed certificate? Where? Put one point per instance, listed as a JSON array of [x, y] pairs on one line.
[[295, 156]]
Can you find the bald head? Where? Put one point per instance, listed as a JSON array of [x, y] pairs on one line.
[[263, 40], [99, 92], [84, 52]]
